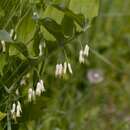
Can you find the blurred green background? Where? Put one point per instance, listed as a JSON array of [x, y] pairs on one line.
[[97, 95]]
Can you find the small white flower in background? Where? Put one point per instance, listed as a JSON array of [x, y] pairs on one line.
[[17, 92], [81, 56], [15, 37], [95, 76], [28, 75], [3, 45], [40, 88], [18, 109], [86, 50], [11, 33], [60, 69], [83, 53], [23, 82], [40, 50], [69, 68], [34, 13], [13, 108], [65, 67], [57, 70], [31, 95], [13, 111], [30, 91]]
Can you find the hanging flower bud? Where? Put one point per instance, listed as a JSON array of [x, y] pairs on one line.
[[13, 111], [60, 69], [65, 67], [57, 70], [30, 92], [23, 82], [31, 95], [13, 108], [38, 89], [3, 45], [17, 92], [11, 33], [40, 50], [35, 16], [81, 56], [86, 50], [18, 109], [15, 37], [42, 86], [69, 68]]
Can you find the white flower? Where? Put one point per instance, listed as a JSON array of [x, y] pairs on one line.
[[13, 108], [57, 70], [15, 37], [23, 82], [40, 50], [65, 67], [34, 13], [40, 88], [18, 109], [31, 95], [81, 56], [13, 111], [11, 33], [86, 50], [60, 69], [17, 92], [30, 91], [3, 45], [69, 68]]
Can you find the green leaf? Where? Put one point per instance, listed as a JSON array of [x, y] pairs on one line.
[[2, 115], [68, 26], [37, 39], [21, 48], [2, 62], [25, 28], [4, 35], [53, 13], [2, 13], [52, 27], [89, 8], [79, 18], [63, 2]]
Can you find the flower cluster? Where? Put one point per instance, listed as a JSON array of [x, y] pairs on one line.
[[16, 110], [83, 53], [39, 89], [62, 69]]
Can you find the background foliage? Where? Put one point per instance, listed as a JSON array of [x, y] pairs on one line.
[[74, 102]]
